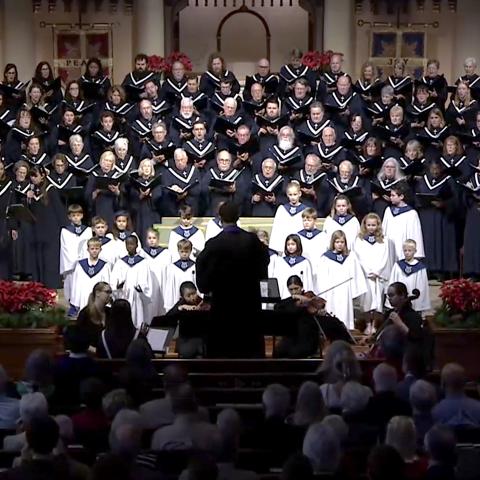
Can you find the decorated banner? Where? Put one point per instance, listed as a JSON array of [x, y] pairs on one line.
[[74, 47]]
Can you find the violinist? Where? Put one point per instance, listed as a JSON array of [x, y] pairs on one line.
[[305, 305], [190, 301]]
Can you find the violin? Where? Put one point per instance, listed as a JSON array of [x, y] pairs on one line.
[[311, 302]]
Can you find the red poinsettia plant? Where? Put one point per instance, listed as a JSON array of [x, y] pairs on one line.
[[29, 304], [161, 64], [460, 304], [318, 60]]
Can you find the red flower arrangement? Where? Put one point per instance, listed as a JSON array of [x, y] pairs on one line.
[[28, 304], [460, 304], [161, 64], [156, 63], [318, 60]]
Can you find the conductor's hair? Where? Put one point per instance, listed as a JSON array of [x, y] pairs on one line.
[[184, 244], [98, 220], [185, 286], [185, 211], [294, 280], [94, 241], [75, 208], [229, 213], [140, 57], [293, 237], [310, 213]]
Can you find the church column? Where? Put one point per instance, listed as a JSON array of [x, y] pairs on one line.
[[150, 27], [338, 30], [19, 36], [467, 35]]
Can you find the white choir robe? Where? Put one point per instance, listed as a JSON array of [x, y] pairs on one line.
[[400, 224], [174, 275], [214, 227], [121, 249], [314, 243], [108, 252], [287, 220], [132, 272], [158, 259], [374, 257], [272, 264], [194, 234], [71, 240], [348, 224], [414, 275], [287, 266], [85, 276], [333, 269]]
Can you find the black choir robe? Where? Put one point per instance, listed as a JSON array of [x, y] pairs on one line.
[[266, 187], [6, 197], [210, 83], [438, 224], [50, 216], [471, 238], [188, 180]]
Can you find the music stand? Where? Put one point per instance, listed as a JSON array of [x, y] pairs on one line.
[[20, 212], [333, 329]]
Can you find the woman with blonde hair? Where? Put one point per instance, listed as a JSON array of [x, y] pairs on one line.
[[462, 109]]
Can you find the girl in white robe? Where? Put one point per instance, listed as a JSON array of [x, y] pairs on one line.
[[273, 254], [413, 273], [132, 280], [401, 222], [288, 218], [340, 279], [186, 231], [158, 259], [121, 230], [293, 263], [373, 252], [341, 218]]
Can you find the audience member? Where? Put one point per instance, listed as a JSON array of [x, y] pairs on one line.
[[322, 447], [440, 445], [456, 409], [422, 399], [9, 406], [385, 463]]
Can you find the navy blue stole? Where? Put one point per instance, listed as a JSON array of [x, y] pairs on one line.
[[186, 232], [408, 269], [184, 265], [309, 234], [336, 257], [92, 270], [132, 261], [153, 251]]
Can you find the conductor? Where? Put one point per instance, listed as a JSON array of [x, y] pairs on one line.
[[229, 269]]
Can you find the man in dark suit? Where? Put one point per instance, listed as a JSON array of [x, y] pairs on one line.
[[229, 269]]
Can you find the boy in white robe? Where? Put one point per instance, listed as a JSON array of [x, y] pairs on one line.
[[288, 218], [413, 274], [340, 279], [313, 240], [401, 222], [182, 270], [71, 238], [158, 259], [88, 272], [273, 254], [109, 250], [186, 231], [132, 280]]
